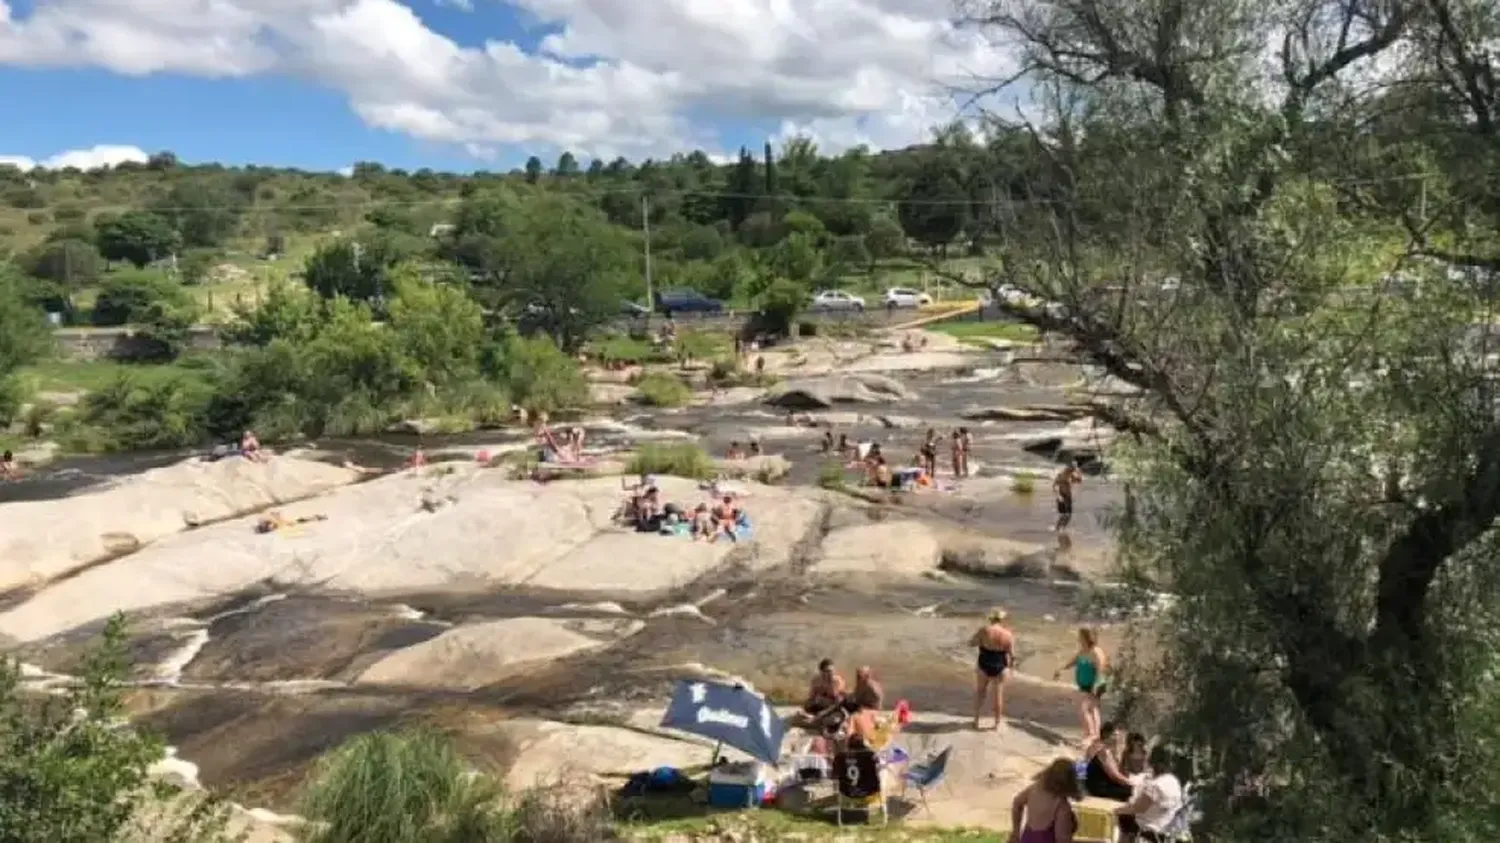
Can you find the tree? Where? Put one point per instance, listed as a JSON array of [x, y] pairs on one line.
[[1314, 471], [557, 261], [69, 263], [129, 297], [533, 170], [73, 774], [205, 213], [348, 268], [24, 337], [139, 237], [796, 258], [567, 165], [702, 243], [935, 207], [886, 239], [850, 252], [780, 304]]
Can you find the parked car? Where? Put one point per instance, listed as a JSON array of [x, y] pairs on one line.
[[837, 300], [906, 297], [687, 301], [631, 310]]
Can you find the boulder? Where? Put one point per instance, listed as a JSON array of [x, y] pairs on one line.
[[765, 468], [471, 657], [996, 557], [43, 540], [485, 531], [893, 548], [822, 393], [1083, 439], [548, 751]]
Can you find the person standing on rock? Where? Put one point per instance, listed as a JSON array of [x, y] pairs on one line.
[[8, 470], [996, 644], [966, 448], [929, 452], [1062, 487], [1089, 667]]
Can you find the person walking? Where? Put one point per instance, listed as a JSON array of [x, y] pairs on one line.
[[1089, 667]]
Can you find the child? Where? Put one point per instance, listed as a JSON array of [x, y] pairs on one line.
[[703, 523]]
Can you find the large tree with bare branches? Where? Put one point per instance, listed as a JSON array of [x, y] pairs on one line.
[[1315, 463]]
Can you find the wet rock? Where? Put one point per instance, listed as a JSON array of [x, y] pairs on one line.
[[546, 751], [416, 427], [1083, 439], [898, 548], [996, 557], [47, 539], [825, 392], [1021, 414], [766, 468], [472, 657], [376, 539], [611, 394]]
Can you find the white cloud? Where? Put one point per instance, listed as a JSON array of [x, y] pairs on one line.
[[614, 77], [103, 155]]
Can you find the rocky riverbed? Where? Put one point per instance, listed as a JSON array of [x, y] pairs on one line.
[[518, 616]]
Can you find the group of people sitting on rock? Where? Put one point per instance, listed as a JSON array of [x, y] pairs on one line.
[[737, 452], [249, 448], [644, 509], [843, 719]]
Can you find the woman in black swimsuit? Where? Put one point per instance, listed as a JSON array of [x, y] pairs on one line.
[[996, 644]]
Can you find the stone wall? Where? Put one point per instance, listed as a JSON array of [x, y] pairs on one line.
[[120, 343]]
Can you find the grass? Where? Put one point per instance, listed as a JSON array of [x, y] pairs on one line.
[[91, 375], [980, 333], [831, 476], [680, 459], [659, 389], [657, 823]]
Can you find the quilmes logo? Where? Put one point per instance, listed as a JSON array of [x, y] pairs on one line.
[[723, 718]]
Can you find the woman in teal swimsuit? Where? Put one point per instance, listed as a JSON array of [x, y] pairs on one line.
[[1089, 668]]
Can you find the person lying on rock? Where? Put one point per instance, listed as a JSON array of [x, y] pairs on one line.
[[274, 521]]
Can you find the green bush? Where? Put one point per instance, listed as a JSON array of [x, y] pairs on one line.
[[73, 774], [1023, 484], [678, 459], [831, 476], [134, 296], [657, 389], [618, 349], [541, 377], [412, 787], [137, 413]]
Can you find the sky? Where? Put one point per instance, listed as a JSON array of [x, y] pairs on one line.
[[472, 84]]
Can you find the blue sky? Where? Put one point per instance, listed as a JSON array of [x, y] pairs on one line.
[[321, 84]]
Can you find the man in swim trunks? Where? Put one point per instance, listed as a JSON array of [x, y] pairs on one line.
[[996, 645], [1062, 487], [725, 516], [929, 452]]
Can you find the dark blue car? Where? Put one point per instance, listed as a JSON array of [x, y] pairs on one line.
[[686, 301]]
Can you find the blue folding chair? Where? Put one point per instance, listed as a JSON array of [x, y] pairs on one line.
[[928, 774]]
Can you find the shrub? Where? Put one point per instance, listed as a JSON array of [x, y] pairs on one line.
[[139, 412], [657, 389], [541, 377], [831, 476], [76, 775], [1023, 484], [403, 788], [135, 296], [626, 350], [678, 459]]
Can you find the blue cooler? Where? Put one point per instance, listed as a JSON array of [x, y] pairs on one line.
[[740, 785]]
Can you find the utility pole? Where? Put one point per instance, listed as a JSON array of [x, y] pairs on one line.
[[646, 229]]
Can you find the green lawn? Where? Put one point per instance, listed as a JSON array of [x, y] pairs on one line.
[[979, 333], [88, 375]]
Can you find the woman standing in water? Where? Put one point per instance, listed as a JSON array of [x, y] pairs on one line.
[[1089, 668], [996, 645]]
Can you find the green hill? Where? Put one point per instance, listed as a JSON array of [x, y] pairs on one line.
[[853, 220]]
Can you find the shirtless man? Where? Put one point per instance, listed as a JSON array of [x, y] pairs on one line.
[[1062, 487], [250, 447], [8, 469]]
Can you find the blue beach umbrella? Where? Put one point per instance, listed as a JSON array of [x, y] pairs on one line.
[[730, 714]]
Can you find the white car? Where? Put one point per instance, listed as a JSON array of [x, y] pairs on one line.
[[906, 297], [837, 300]]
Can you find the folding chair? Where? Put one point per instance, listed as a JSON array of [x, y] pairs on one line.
[[928, 774], [1095, 825], [861, 786]]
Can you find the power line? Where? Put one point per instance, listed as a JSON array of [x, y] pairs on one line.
[[683, 194]]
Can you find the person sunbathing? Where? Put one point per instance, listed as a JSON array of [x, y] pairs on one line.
[[250, 447], [274, 521], [703, 523]]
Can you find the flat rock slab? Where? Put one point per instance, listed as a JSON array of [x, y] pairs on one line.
[[43, 540], [901, 548], [471, 657], [548, 752], [443, 528]]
